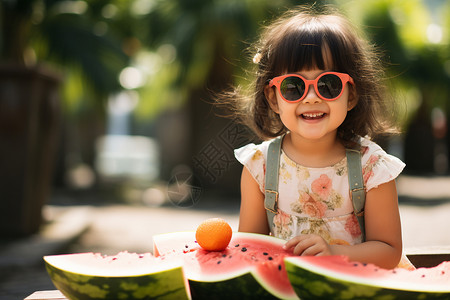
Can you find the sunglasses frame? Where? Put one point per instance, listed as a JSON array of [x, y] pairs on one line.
[[276, 81]]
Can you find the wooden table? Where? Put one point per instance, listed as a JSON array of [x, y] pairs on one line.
[[46, 295]]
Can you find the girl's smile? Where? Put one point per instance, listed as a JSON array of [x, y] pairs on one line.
[[313, 116]]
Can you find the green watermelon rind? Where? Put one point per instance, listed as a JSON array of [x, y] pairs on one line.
[[246, 280], [314, 284], [245, 284], [245, 287], [168, 284]]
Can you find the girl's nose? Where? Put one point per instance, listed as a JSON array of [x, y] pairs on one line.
[[311, 96]]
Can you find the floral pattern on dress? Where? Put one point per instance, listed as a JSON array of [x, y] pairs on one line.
[[318, 227], [282, 225], [319, 199], [369, 167], [285, 175], [352, 226], [341, 168]]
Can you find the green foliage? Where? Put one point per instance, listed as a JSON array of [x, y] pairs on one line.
[[67, 35]]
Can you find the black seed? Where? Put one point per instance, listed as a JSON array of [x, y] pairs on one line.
[[219, 262], [230, 256], [237, 245], [244, 249], [270, 258], [265, 253], [355, 265], [186, 246], [364, 264], [279, 268], [224, 255]]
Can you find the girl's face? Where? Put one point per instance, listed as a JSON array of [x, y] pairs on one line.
[[312, 118]]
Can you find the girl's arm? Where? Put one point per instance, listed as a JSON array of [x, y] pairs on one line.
[[383, 245], [252, 217]]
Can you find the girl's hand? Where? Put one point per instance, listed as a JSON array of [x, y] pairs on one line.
[[308, 244]]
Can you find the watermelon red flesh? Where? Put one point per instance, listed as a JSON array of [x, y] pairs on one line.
[[124, 276], [249, 260], [334, 277]]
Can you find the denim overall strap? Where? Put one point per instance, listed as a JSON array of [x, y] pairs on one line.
[[271, 180], [356, 184]]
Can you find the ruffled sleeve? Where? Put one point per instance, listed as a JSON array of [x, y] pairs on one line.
[[254, 158], [378, 166]]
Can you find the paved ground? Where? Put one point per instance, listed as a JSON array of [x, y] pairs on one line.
[[112, 227]]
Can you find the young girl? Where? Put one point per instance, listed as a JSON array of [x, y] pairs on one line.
[[318, 89]]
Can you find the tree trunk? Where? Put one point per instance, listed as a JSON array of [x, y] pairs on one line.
[[29, 118]]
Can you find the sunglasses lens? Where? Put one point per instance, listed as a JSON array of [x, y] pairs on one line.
[[292, 88], [329, 86]]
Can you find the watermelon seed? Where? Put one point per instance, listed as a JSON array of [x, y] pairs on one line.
[[186, 246], [224, 255], [355, 265], [270, 258], [279, 267], [244, 249], [395, 272], [237, 245], [230, 256], [265, 253], [219, 262]]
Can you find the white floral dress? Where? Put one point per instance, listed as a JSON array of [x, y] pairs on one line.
[[317, 200]]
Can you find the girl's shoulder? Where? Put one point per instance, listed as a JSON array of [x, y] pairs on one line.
[[252, 152], [377, 165], [370, 148], [254, 157]]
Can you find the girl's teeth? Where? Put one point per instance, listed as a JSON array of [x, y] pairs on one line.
[[313, 115]]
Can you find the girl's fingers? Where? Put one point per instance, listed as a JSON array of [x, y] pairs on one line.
[[303, 245], [307, 245], [292, 242]]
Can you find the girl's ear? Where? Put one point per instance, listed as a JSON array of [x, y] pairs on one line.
[[352, 98], [271, 98]]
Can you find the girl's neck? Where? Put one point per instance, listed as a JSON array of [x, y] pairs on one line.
[[314, 153]]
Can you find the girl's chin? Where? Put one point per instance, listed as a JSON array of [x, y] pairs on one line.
[[314, 135]]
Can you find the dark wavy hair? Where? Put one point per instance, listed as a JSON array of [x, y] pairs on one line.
[[296, 41]]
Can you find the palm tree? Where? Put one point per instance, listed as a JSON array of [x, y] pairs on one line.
[[40, 42]]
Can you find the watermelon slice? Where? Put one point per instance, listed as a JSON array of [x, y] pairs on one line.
[[123, 276], [335, 277], [251, 267]]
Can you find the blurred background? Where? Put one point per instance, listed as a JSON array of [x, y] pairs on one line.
[[107, 104]]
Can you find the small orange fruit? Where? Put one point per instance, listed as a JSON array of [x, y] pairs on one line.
[[213, 234]]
